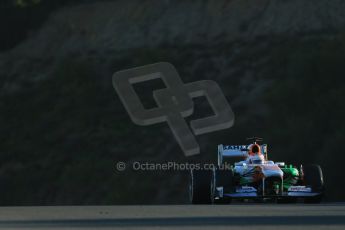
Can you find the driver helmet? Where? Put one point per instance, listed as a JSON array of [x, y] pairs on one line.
[[255, 155]]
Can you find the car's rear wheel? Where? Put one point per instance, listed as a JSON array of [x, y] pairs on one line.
[[199, 186], [312, 176], [221, 178]]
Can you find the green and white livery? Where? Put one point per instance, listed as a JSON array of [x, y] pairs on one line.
[[253, 176]]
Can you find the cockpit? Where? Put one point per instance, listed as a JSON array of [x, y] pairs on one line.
[[255, 155]]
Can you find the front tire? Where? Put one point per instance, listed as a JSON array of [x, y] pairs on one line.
[[221, 178], [199, 186], [313, 177]]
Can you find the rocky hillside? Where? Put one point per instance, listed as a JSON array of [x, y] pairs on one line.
[[280, 64]]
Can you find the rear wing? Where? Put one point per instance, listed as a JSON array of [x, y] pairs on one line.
[[233, 152]]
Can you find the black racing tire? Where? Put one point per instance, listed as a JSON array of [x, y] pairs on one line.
[[222, 178], [199, 186], [313, 177]]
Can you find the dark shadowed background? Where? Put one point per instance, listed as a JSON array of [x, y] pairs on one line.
[[280, 64]]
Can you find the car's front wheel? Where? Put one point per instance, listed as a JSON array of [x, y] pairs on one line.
[[221, 178], [199, 186], [312, 176]]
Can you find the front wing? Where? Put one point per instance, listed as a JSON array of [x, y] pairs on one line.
[[247, 192]]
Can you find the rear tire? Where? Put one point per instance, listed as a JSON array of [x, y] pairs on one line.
[[222, 178], [313, 177], [199, 187]]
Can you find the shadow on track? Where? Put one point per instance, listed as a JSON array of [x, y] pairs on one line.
[[179, 221]]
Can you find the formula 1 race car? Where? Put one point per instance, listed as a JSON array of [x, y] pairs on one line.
[[255, 177]]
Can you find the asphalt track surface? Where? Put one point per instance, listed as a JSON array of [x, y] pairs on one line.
[[239, 216]]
